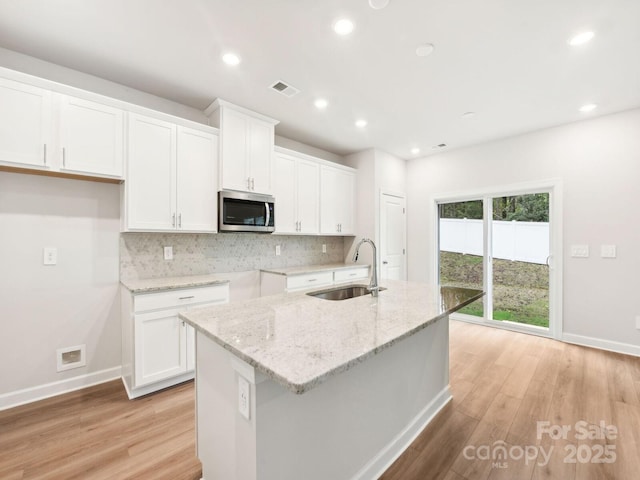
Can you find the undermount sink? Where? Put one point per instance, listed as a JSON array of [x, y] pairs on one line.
[[343, 293]]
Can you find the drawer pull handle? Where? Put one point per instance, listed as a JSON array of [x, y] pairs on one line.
[[187, 298]]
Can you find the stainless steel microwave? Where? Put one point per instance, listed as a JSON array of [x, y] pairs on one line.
[[245, 212]]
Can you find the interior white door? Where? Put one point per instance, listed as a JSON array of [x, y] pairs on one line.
[[393, 232]]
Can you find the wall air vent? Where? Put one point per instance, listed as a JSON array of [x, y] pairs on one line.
[[284, 88]]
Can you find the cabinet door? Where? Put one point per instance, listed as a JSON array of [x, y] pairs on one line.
[[151, 172], [160, 346], [25, 124], [346, 206], [284, 181], [260, 153], [308, 198], [329, 200], [234, 131], [197, 180], [91, 137]]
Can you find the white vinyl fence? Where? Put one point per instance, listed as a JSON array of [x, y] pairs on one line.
[[521, 241]]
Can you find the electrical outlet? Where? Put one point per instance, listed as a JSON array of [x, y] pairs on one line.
[[50, 256], [277, 249], [580, 251], [243, 397], [324, 248], [168, 253]]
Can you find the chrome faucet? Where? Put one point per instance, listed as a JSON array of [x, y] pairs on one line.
[[373, 284]]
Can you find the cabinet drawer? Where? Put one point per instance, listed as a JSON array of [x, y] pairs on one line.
[[178, 298], [350, 274], [310, 280]]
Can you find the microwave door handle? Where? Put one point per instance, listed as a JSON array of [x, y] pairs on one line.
[[266, 206]]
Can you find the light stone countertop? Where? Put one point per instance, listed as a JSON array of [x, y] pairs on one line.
[[169, 283], [301, 270], [299, 341]]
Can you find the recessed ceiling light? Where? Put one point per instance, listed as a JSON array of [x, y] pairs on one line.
[[343, 26], [321, 103], [588, 107], [468, 114], [581, 39], [361, 123], [231, 59], [378, 4], [415, 150], [424, 50]]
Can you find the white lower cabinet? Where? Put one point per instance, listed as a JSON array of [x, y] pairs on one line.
[[158, 349], [273, 283]]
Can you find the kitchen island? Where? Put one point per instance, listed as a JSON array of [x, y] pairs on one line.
[[291, 386]]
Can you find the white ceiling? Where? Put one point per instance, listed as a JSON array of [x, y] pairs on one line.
[[506, 60]]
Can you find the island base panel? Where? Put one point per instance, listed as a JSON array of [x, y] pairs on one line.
[[351, 426]]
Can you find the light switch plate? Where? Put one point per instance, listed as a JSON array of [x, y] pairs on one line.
[[50, 256], [168, 253], [580, 251], [277, 249], [608, 251]]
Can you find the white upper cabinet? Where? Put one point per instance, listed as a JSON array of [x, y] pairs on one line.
[[246, 147], [197, 180], [337, 200], [91, 137], [48, 130], [171, 177], [297, 193], [151, 173], [25, 124]]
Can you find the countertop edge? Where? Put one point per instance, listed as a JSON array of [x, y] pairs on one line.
[[300, 388], [305, 269], [170, 285]]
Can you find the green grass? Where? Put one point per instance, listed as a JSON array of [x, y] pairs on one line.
[[520, 295]]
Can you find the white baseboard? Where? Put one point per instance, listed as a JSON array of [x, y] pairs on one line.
[[389, 454], [40, 392], [609, 345]]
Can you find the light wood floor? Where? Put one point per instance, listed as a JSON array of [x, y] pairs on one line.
[[502, 382]]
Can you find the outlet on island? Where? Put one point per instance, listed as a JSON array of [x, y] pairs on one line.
[[277, 249]]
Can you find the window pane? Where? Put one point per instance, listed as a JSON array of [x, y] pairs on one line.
[[461, 252]]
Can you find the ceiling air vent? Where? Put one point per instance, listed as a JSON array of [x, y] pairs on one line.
[[284, 88]]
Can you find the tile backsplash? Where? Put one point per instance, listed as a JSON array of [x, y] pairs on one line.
[[141, 254]]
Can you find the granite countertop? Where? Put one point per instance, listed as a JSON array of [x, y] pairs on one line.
[[299, 341], [168, 283], [313, 268]]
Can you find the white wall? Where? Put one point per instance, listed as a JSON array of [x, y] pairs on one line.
[[49, 307], [599, 163], [308, 149], [377, 171], [66, 76]]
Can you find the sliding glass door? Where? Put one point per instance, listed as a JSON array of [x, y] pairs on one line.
[[503, 244]]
